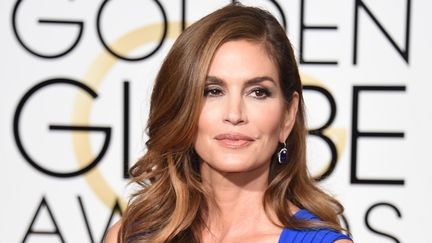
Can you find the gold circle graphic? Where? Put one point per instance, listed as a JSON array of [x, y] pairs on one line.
[[83, 103], [93, 78]]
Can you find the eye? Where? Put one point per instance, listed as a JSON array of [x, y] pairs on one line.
[[260, 93], [213, 91]]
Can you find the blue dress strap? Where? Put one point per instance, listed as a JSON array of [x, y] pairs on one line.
[[322, 235]]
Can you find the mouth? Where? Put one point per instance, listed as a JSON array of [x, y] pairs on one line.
[[234, 140]]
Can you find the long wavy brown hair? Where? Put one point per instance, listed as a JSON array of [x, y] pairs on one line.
[[171, 204]]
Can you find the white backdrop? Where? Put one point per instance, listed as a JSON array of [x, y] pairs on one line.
[[76, 78]]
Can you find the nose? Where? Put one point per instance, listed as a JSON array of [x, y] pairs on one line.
[[235, 110]]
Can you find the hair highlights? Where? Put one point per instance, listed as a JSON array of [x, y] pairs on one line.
[[171, 205]]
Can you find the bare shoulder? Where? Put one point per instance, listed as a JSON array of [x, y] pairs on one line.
[[113, 232], [343, 241]]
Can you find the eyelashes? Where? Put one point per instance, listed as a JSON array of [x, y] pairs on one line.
[[213, 92], [255, 92], [260, 93]]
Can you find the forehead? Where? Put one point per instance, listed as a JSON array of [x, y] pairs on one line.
[[242, 60]]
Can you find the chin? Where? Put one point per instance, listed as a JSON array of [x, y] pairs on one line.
[[234, 165], [232, 168]]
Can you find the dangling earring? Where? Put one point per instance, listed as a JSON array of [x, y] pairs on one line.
[[282, 154]]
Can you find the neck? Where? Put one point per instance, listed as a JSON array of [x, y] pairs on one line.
[[226, 186], [237, 199]]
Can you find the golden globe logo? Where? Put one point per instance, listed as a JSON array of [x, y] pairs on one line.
[[334, 138]]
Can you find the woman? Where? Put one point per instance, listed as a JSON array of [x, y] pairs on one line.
[[226, 150]]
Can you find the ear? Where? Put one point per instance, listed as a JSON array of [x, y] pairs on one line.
[[289, 117]]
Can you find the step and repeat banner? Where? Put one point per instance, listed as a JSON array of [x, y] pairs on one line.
[[76, 77]]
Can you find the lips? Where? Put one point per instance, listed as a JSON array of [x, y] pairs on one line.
[[234, 140]]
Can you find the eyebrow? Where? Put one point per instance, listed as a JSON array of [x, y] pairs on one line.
[[252, 81]]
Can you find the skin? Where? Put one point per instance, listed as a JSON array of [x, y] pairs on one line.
[[243, 96], [243, 119]]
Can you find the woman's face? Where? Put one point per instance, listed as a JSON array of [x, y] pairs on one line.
[[244, 115]]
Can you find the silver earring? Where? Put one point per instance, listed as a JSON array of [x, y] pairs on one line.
[[282, 155]]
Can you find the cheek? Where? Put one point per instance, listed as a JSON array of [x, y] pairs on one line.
[[207, 125], [267, 118], [209, 116]]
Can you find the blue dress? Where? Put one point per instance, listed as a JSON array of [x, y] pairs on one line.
[[309, 236], [298, 236]]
